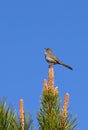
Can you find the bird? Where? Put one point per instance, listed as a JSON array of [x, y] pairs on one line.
[[52, 59]]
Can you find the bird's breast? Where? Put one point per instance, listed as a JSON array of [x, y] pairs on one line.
[[50, 60]]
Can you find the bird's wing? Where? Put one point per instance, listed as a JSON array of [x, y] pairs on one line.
[[55, 59]]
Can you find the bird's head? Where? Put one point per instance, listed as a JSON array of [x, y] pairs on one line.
[[48, 50]]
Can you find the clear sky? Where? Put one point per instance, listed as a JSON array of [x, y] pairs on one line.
[[26, 28]]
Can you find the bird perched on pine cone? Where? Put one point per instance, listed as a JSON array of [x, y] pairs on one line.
[[52, 59]]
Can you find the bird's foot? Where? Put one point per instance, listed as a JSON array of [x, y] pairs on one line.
[[50, 65]]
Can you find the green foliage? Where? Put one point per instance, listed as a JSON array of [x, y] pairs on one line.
[[8, 119], [28, 122], [49, 116], [69, 124]]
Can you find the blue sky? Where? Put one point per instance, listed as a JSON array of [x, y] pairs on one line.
[[26, 28]]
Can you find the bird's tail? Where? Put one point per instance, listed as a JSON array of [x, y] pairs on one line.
[[69, 67]]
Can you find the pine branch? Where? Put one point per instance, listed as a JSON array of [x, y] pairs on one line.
[[51, 116]]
